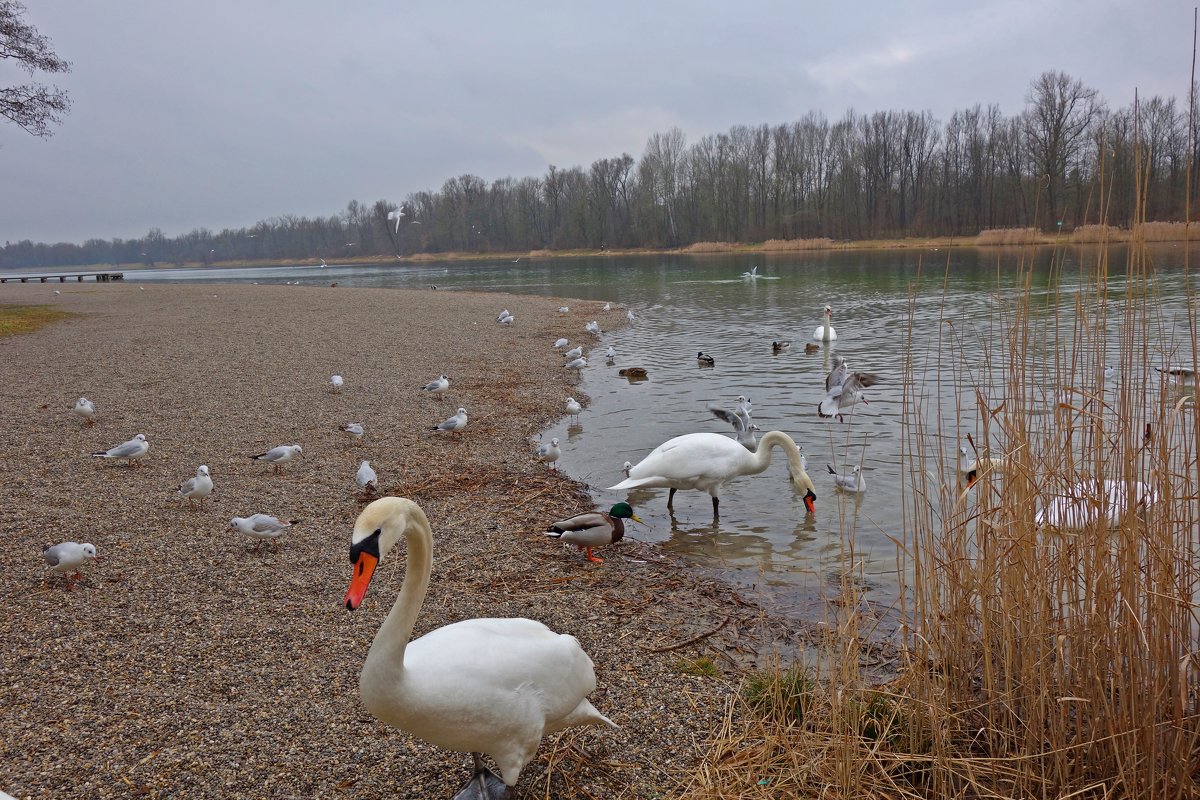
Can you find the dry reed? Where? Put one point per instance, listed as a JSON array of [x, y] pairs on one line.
[[788, 245], [1168, 231], [1039, 660], [709, 247], [1009, 236], [1096, 234]]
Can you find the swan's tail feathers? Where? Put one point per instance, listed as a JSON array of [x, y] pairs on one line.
[[633, 483]]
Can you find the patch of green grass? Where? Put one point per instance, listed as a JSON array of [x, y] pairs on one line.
[[703, 667], [784, 695], [27, 319]]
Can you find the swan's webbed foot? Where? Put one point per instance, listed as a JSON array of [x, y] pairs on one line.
[[484, 784]]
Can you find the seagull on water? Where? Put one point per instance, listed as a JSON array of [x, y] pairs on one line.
[[573, 407], [743, 427], [280, 455], [853, 483], [132, 450]]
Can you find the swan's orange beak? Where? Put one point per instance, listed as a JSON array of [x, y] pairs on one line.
[[364, 568], [810, 502]]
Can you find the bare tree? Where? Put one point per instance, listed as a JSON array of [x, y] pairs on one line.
[[1057, 123], [31, 105]]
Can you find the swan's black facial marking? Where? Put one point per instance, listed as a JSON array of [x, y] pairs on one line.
[[369, 545]]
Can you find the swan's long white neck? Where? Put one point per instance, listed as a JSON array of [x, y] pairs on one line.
[[393, 635], [826, 327], [762, 457]]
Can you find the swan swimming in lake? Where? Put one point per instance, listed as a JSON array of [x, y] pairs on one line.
[[479, 686], [825, 331], [708, 461]]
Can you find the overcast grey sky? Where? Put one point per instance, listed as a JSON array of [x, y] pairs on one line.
[[224, 112]]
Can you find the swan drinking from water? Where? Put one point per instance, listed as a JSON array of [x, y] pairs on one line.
[[708, 461]]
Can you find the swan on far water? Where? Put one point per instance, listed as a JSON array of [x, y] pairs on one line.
[[825, 331], [708, 461], [480, 686]]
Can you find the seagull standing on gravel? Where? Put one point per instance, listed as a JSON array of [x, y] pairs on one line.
[[574, 352], [133, 450], [592, 327], [578, 363], [549, 452], [366, 478], [437, 387], [564, 309], [607, 307], [455, 423], [200, 487], [280, 455], [335, 383], [262, 527], [355, 429], [508, 320], [561, 343], [500, 317], [67, 556], [85, 410]]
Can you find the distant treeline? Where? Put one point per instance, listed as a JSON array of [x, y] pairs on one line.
[[1066, 160]]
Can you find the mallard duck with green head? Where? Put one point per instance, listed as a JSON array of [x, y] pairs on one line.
[[594, 529]]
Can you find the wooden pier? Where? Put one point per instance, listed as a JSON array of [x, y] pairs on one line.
[[62, 277]]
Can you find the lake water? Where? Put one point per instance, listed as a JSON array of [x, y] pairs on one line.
[[765, 542]]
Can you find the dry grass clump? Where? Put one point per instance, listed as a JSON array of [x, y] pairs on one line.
[[1168, 231], [1090, 234], [787, 245], [995, 236], [541, 253], [709, 247], [27, 319]]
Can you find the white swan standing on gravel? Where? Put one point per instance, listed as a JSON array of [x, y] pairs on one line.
[[479, 686], [708, 461], [825, 331]]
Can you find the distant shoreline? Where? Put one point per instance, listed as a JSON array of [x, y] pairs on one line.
[[1019, 237]]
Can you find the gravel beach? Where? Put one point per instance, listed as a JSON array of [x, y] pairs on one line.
[[187, 665]]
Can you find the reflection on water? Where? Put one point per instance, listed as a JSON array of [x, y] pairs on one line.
[[888, 307]]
